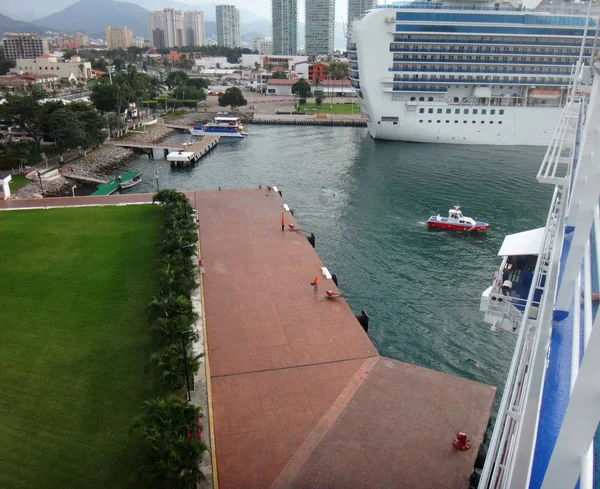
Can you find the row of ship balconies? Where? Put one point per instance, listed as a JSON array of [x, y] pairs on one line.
[[404, 48], [481, 60], [482, 69], [481, 80], [572, 42]]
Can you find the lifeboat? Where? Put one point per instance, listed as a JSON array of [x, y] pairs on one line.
[[545, 94], [457, 222]]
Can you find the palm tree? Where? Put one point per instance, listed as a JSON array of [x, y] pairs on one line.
[[170, 365], [172, 452]]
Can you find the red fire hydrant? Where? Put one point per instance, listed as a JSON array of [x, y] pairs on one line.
[[461, 442]]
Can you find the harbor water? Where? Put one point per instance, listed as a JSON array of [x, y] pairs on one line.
[[367, 202]]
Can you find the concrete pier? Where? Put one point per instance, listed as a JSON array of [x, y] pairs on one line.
[[198, 148]]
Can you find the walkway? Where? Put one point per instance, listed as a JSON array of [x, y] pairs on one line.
[[300, 396]]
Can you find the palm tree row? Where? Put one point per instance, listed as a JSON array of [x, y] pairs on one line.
[[170, 428]]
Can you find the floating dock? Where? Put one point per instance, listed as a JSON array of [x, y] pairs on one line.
[[300, 396], [198, 148], [113, 184]]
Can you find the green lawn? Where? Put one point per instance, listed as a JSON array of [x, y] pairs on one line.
[[329, 108], [18, 181], [74, 344]]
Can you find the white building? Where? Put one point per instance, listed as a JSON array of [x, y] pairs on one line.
[[228, 26], [48, 64], [320, 27], [165, 28], [24, 46], [264, 45], [280, 87], [249, 60], [212, 62], [193, 24]]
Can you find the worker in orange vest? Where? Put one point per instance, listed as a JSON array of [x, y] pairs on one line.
[[316, 284]]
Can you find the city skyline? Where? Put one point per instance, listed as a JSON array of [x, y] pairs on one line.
[[319, 27]]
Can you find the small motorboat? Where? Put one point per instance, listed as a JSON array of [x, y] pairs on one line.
[[132, 181], [457, 222]]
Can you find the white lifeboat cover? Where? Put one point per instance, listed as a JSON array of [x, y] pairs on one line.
[[525, 243]]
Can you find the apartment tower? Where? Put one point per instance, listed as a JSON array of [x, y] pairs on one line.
[[228, 26], [118, 38], [193, 28], [284, 16], [356, 11], [24, 46], [320, 27], [165, 28]]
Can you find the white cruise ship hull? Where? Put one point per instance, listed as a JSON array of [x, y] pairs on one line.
[[518, 126]]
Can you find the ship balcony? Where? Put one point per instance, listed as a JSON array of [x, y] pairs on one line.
[[505, 301], [415, 89], [352, 57]]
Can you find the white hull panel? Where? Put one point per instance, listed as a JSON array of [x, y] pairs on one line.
[[239, 135], [520, 126]]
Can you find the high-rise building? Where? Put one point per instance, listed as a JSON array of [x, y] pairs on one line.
[[284, 16], [165, 28], [118, 38], [228, 26], [24, 46], [356, 11], [193, 27], [264, 45], [320, 27], [81, 39]]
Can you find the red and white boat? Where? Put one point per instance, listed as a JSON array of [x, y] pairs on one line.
[[457, 222]]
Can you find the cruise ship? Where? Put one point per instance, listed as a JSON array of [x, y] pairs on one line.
[[546, 293], [467, 73]]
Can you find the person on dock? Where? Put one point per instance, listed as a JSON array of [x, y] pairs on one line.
[[315, 284], [282, 223]]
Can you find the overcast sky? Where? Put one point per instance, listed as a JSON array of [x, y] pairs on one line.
[[263, 7]]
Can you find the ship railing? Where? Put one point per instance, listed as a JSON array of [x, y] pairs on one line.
[[460, 62], [497, 470], [479, 82], [437, 6], [561, 153]]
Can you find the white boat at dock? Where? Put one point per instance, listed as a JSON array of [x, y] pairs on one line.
[[229, 126]]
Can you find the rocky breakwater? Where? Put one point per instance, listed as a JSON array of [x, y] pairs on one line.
[[97, 163]]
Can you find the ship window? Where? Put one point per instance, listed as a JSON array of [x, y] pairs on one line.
[[491, 122], [464, 122], [430, 99], [455, 98], [420, 120], [474, 111], [492, 111], [457, 111], [421, 111], [466, 111], [483, 122], [501, 111], [447, 122], [455, 122], [483, 111], [412, 99], [439, 111], [429, 121], [448, 111], [430, 111], [474, 122], [421, 99], [499, 122], [439, 121]]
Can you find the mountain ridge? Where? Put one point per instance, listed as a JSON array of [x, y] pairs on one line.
[[8, 24]]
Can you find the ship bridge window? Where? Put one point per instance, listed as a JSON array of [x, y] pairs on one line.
[[466, 111], [430, 99], [492, 111], [439, 111], [475, 111], [501, 111], [412, 99], [457, 111], [483, 111], [430, 111], [421, 99], [448, 111], [421, 111]]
